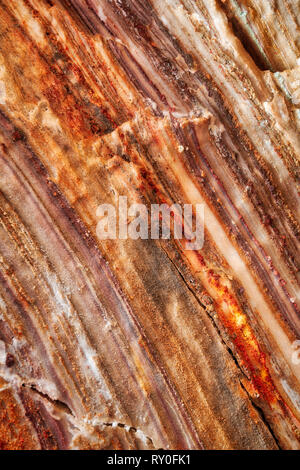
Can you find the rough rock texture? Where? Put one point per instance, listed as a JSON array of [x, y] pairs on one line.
[[127, 344]]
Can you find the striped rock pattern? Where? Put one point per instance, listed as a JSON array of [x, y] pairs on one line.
[[141, 344]]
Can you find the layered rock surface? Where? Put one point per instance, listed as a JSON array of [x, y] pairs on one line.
[[128, 344]]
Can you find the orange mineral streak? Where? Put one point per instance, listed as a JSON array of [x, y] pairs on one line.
[[240, 332], [242, 335]]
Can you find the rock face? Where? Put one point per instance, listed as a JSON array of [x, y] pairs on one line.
[[129, 344]]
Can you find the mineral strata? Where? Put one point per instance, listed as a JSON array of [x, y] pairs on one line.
[[142, 344]]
